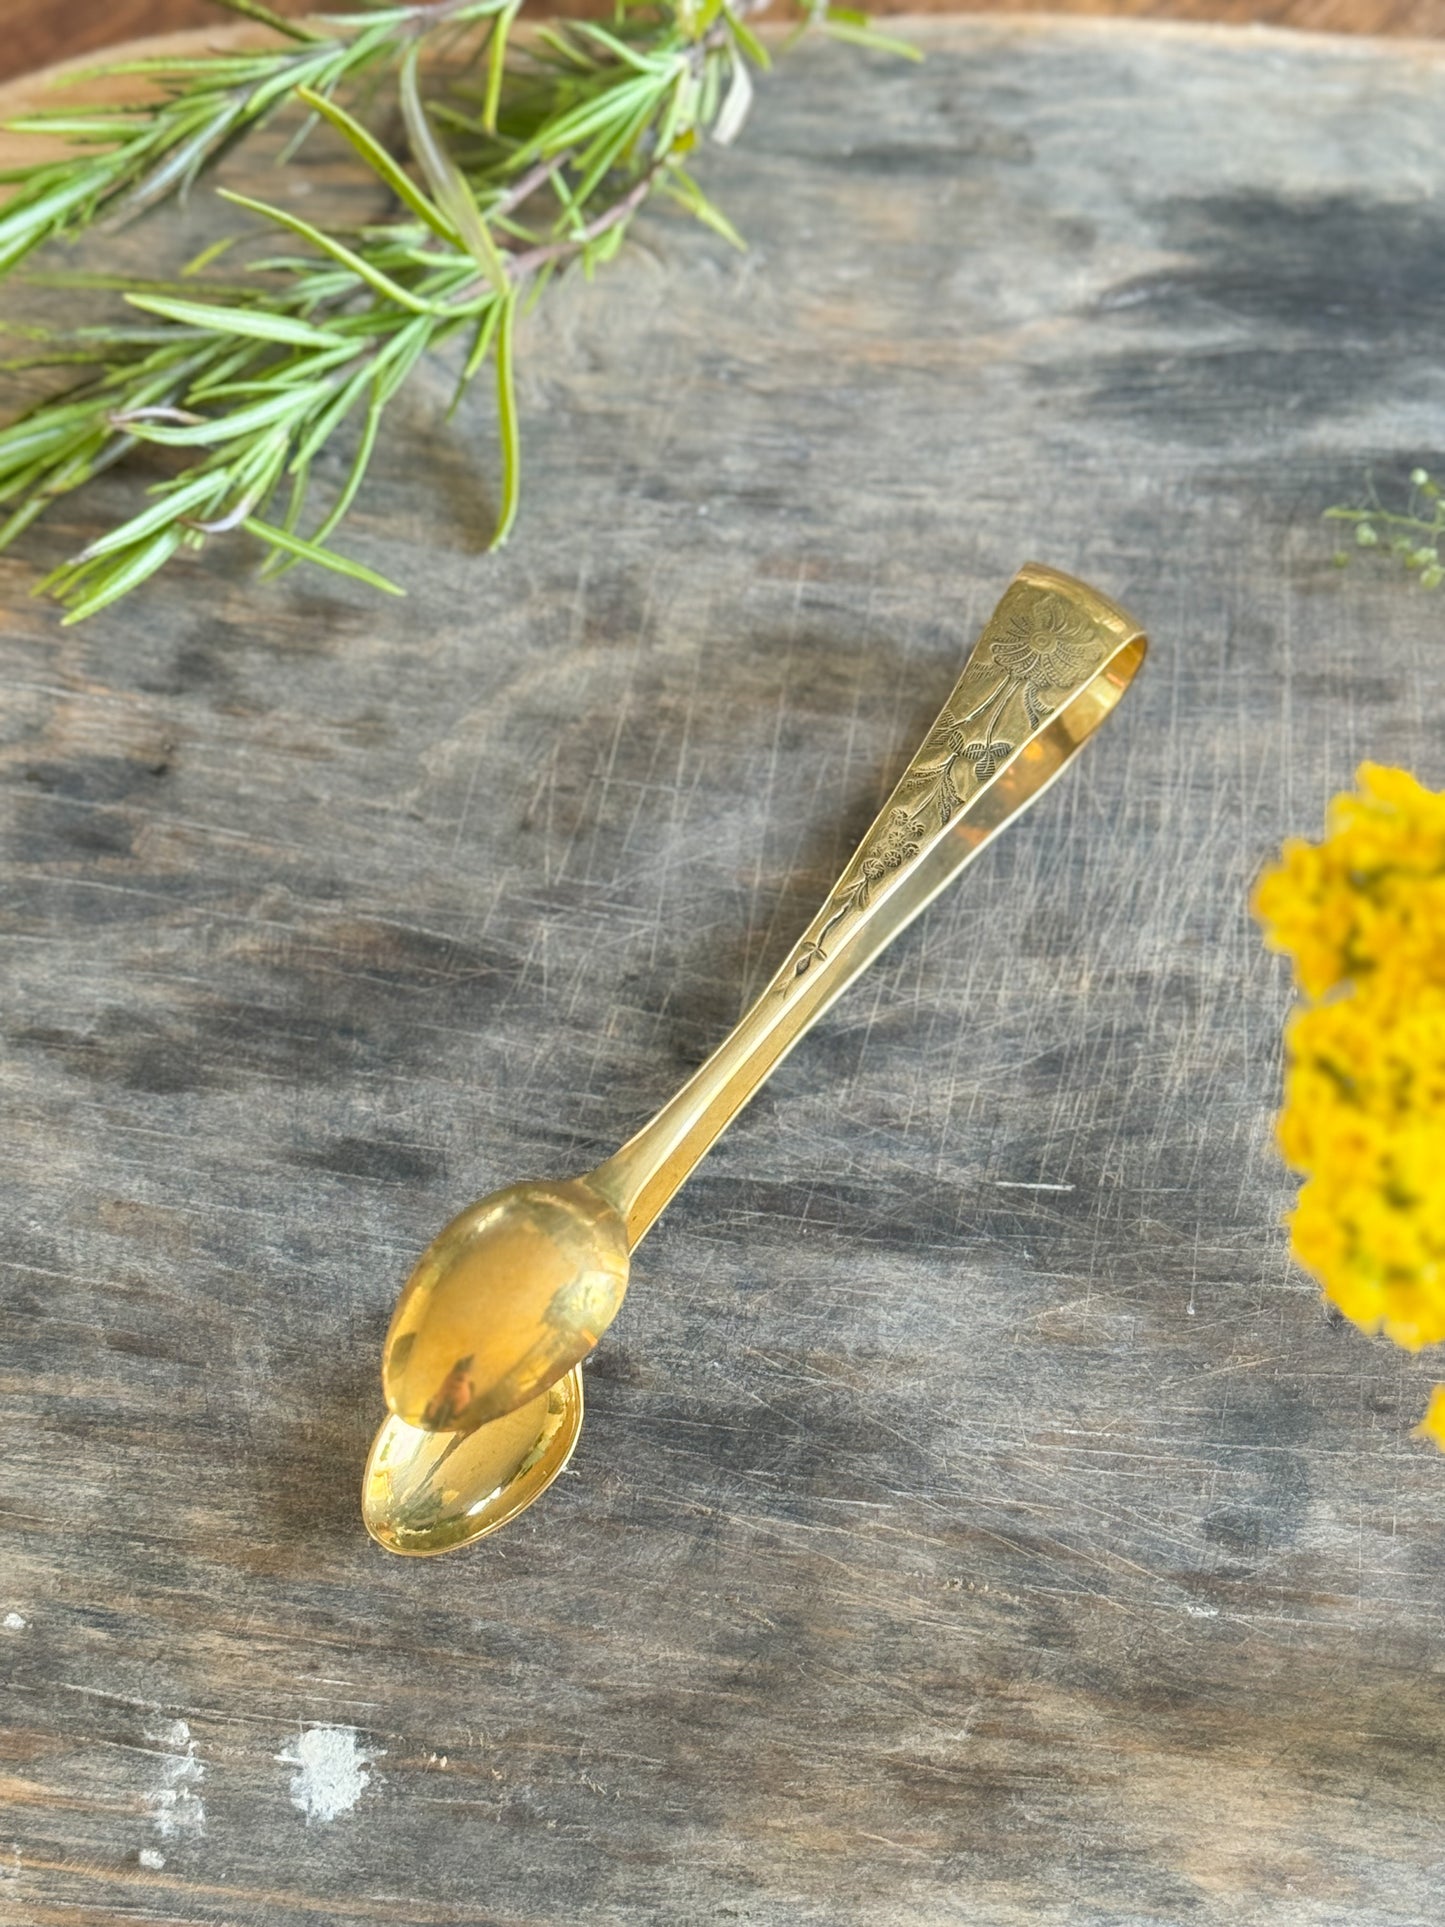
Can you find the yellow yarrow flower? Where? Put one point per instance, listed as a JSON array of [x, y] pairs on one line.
[[1362, 916], [1432, 1426]]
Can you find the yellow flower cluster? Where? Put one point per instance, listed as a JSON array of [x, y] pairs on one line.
[[1363, 916]]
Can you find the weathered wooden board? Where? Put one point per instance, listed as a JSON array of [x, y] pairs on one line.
[[977, 1519]]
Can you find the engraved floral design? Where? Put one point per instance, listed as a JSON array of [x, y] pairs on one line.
[[1042, 646], [897, 843], [1047, 643]]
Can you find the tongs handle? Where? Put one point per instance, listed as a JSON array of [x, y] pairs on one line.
[[1053, 661]]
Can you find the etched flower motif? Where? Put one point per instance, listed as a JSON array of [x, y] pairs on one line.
[[1045, 644], [987, 757], [896, 845]]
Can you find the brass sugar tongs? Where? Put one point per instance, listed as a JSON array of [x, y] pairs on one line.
[[482, 1362]]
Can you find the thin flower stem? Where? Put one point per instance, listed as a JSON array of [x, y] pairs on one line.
[[1421, 558]]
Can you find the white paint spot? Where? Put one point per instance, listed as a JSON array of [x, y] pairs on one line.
[[176, 1806], [15, 1622], [151, 1860], [330, 1774]]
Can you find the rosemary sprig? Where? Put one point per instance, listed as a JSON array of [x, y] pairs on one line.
[[535, 157]]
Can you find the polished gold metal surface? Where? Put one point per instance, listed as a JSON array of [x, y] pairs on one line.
[[428, 1492], [520, 1286], [516, 1289]]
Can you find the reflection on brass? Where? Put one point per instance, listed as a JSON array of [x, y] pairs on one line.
[[514, 1293], [426, 1492]]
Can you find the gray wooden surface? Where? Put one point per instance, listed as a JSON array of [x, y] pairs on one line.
[[977, 1519]]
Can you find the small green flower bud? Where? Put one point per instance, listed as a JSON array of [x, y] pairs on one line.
[[1419, 476], [1432, 577], [1365, 535]]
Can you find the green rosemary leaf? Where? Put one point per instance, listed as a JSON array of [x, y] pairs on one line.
[[589, 118], [597, 253], [278, 561], [507, 430], [254, 322], [331, 418], [17, 523], [198, 263], [565, 50], [539, 286], [396, 360], [133, 569], [410, 16], [743, 34], [381, 163], [276, 538], [300, 485], [684, 189], [612, 146], [224, 382], [219, 70], [125, 283], [447, 181], [46, 358], [201, 493], [361, 268], [259, 463], [45, 431], [175, 172], [212, 430], [481, 344], [28, 219], [253, 10], [360, 462], [73, 127], [640, 63], [497, 65], [844, 24], [736, 106]]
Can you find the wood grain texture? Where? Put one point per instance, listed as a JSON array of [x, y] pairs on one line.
[[977, 1519], [38, 33]]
